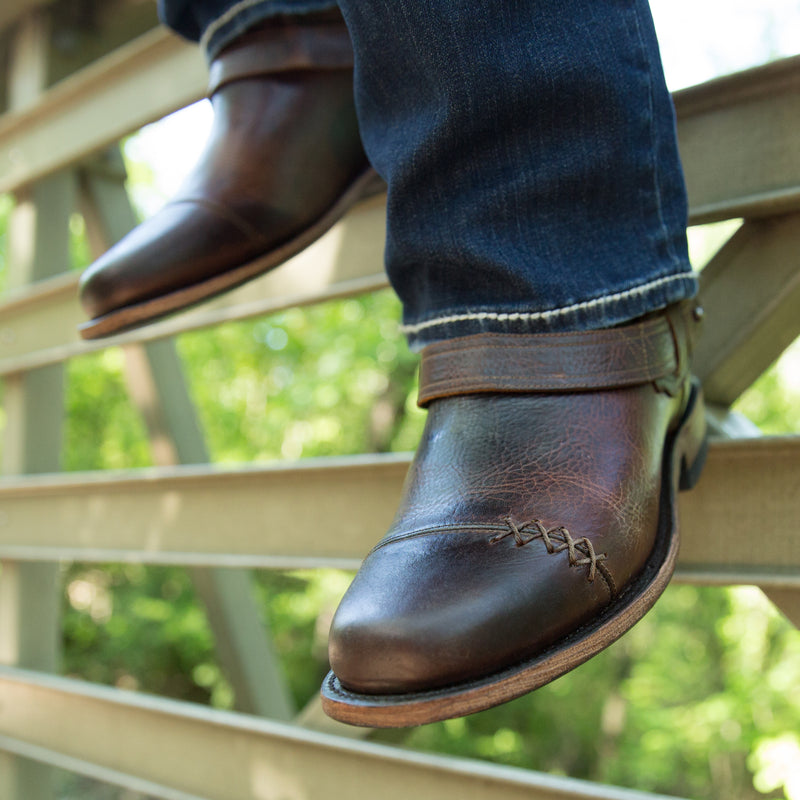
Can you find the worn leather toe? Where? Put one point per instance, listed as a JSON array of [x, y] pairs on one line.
[[443, 620], [283, 162], [451, 594], [161, 259]]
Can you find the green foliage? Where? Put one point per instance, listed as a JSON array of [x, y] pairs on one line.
[[332, 379], [298, 607], [137, 627], [102, 429]]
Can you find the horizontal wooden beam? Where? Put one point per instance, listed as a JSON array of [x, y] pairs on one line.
[[196, 752], [38, 325], [299, 515], [76, 766], [738, 142], [140, 82], [739, 525], [736, 133]]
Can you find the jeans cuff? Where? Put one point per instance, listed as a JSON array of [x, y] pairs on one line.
[[247, 13], [601, 312]]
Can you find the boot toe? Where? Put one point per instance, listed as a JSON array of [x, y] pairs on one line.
[[180, 245], [454, 606]]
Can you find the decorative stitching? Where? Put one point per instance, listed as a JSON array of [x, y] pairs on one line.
[[562, 536], [532, 316]]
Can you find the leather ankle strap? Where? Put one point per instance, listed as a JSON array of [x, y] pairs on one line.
[[283, 44], [655, 349]]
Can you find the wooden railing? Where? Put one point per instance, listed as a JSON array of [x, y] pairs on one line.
[[737, 138]]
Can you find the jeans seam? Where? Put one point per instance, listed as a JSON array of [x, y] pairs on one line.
[[653, 139], [529, 316], [224, 18]]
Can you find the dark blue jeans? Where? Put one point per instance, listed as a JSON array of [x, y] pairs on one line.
[[530, 153]]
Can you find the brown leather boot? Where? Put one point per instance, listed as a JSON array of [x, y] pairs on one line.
[[284, 161], [537, 522]]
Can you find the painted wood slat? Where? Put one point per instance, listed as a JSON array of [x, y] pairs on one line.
[[738, 526], [197, 752]]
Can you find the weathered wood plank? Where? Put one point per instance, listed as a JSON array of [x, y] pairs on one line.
[[738, 142], [137, 789], [739, 525], [273, 515], [224, 756]]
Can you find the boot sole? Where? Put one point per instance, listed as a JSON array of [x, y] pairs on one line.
[[684, 454], [136, 315]]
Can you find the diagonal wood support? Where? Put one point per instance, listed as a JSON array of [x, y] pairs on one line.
[[155, 380], [747, 329], [788, 602], [157, 386]]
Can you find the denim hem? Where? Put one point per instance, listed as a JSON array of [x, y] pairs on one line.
[[601, 312], [245, 14]]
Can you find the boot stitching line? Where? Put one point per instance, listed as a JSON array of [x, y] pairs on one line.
[[563, 541]]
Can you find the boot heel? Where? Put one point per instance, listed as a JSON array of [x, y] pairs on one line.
[[693, 440]]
